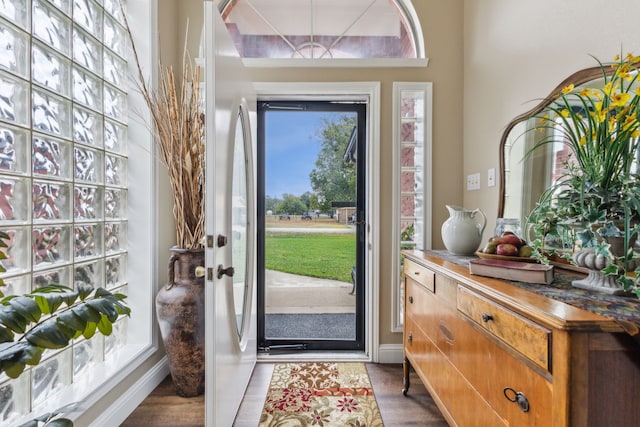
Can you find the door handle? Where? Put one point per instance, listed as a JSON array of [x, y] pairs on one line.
[[225, 271], [517, 397]]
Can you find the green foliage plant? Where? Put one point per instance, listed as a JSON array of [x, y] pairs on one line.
[[291, 205], [406, 237], [597, 196], [24, 353], [53, 419], [49, 317], [333, 179]]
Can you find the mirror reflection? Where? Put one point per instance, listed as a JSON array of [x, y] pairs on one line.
[[240, 224], [525, 174]]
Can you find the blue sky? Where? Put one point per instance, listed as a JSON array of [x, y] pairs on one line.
[[292, 147]]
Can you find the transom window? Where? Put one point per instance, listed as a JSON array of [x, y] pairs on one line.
[[313, 29]]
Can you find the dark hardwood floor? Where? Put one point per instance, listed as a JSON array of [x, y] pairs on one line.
[[163, 408]]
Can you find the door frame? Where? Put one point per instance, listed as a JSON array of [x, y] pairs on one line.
[[357, 107], [349, 91]]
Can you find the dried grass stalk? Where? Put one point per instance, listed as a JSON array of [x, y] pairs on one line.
[[178, 130]]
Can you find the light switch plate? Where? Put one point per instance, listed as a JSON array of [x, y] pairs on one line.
[[473, 182], [491, 177]]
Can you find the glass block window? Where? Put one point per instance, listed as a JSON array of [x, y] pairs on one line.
[[411, 170], [312, 29], [412, 153], [63, 171]]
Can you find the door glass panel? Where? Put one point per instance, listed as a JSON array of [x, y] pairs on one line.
[[240, 224], [310, 240]]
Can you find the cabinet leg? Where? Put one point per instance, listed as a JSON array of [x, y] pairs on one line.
[[406, 369]]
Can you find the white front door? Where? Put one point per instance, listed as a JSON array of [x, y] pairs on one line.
[[230, 224]]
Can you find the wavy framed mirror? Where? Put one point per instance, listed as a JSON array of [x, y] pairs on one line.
[[523, 177]]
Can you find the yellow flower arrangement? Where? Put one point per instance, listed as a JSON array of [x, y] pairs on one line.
[[599, 187], [601, 126]]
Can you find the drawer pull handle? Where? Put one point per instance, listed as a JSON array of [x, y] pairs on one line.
[[410, 338], [410, 300], [486, 317], [417, 273], [517, 397]]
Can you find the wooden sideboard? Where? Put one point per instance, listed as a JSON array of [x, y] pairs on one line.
[[493, 354]]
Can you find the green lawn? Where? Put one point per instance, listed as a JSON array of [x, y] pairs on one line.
[[324, 255]]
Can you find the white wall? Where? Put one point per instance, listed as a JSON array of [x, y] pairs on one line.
[[517, 51]]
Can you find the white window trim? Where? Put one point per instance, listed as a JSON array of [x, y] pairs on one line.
[[335, 63], [398, 87], [418, 36], [369, 91]]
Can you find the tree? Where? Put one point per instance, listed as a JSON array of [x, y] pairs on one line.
[[311, 200], [270, 203], [291, 205], [333, 179]]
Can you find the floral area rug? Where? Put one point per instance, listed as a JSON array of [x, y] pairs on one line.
[[320, 394]]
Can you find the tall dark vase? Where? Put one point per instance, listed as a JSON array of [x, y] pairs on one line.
[[180, 313]]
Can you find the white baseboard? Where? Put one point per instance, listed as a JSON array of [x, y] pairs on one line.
[[390, 353], [129, 401]]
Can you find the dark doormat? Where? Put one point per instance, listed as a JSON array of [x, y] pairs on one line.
[[341, 326]]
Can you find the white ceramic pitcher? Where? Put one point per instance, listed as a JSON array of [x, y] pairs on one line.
[[462, 233]]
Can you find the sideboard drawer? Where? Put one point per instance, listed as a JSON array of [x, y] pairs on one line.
[[416, 304], [455, 395], [526, 337], [428, 312], [420, 274], [498, 374]]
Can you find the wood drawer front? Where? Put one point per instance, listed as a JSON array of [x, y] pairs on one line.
[[435, 318], [483, 363], [416, 299], [420, 274], [455, 397], [491, 369], [422, 308], [524, 336]]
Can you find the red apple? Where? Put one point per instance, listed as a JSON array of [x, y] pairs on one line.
[[507, 249], [511, 239]]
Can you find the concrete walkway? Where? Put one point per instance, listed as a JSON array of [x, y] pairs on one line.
[[290, 293]]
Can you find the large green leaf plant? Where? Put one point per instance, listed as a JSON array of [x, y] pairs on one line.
[[49, 318]]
